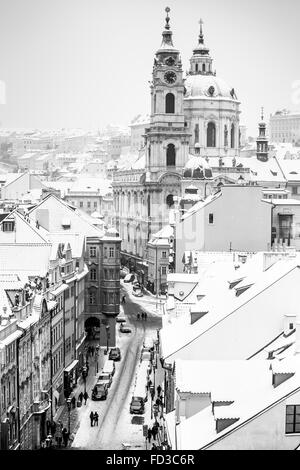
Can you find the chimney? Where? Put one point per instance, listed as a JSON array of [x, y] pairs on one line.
[[289, 323]]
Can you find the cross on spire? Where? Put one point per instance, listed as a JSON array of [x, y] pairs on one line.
[[167, 10], [201, 37], [262, 113]]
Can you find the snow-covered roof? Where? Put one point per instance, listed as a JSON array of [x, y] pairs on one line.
[[201, 204], [226, 302], [248, 384]]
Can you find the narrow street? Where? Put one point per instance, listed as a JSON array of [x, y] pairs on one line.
[[115, 421]]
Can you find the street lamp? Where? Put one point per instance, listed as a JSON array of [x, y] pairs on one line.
[[84, 375], [96, 359], [69, 414], [107, 328]]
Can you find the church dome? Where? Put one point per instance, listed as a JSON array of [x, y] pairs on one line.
[[197, 168], [200, 86]]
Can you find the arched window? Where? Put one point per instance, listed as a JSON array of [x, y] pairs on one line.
[[196, 67], [196, 133], [170, 103], [171, 155], [203, 67], [211, 134], [232, 135], [170, 200]]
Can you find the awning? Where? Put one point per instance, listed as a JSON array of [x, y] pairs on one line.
[[71, 366]]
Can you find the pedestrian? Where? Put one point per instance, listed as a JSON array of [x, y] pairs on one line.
[[154, 446], [53, 428], [96, 418], [65, 436], [80, 396], [59, 429], [149, 384], [92, 350], [157, 401], [161, 401], [145, 315], [152, 391], [149, 434], [85, 396], [138, 316], [92, 418], [158, 390], [142, 315], [154, 432]]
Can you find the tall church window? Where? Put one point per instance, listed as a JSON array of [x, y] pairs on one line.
[[203, 67], [211, 134], [196, 67], [232, 136], [225, 136], [171, 155], [170, 103], [154, 104], [196, 133]]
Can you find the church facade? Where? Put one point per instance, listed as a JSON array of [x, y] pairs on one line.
[[194, 124]]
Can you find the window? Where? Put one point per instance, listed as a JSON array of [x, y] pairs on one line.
[[110, 298], [294, 190], [203, 67], [111, 274], [170, 103], [67, 293], [196, 133], [92, 298], [171, 155], [8, 226], [291, 326], [93, 274], [105, 297], [164, 270], [89, 204], [95, 204], [72, 291], [111, 252], [292, 419], [80, 204], [164, 254], [211, 218], [170, 200], [92, 252], [196, 67], [232, 136], [211, 134]]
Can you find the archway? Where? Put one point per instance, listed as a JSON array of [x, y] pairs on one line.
[[92, 328]]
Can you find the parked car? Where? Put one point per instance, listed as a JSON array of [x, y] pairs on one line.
[[137, 406], [115, 354], [105, 378], [124, 328], [120, 319], [100, 391]]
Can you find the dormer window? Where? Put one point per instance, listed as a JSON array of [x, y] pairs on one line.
[[8, 226]]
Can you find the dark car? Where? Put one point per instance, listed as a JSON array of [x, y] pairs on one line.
[[137, 406], [120, 319], [124, 328], [100, 391], [115, 354]]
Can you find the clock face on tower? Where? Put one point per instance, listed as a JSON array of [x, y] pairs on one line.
[[170, 77]]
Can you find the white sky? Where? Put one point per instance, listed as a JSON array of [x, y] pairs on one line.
[[86, 63]]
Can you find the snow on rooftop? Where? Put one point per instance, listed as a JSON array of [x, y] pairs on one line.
[[247, 383]]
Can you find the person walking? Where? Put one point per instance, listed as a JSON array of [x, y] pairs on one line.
[[138, 316], [158, 390], [85, 396], [92, 418], [59, 429], [145, 315], [80, 396], [154, 431], [149, 434], [96, 418], [65, 436]]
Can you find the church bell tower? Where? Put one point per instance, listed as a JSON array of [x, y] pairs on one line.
[[167, 137]]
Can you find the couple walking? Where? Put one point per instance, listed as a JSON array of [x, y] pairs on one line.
[[94, 418]]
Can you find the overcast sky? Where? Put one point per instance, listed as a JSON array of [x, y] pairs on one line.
[[86, 63]]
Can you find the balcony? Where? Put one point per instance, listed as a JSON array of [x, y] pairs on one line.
[[42, 404]]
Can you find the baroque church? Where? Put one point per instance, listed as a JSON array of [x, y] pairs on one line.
[[194, 127]]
